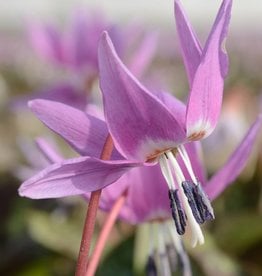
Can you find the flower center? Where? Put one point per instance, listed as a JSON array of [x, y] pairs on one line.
[[188, 201]]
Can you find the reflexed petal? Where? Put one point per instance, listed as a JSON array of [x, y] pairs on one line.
[[227, 174], [73, 177], [85, 133], [191, 49], [207, 89], [138, 122]]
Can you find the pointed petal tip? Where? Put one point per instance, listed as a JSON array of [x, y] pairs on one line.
[[23, 192], [105, 38], [32, 104], [20, 192], [236, 162], [177, 4]]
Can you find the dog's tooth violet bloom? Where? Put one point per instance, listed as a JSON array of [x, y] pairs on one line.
[[147, 130], [144, 129]]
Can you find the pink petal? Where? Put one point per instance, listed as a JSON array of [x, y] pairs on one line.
[[207, 89], [81, 40], [73, 177], [235, 164], [85, 133], [138, 122], [46, 41], [64, 93], [191, 49], [175, 106], [147, 196]]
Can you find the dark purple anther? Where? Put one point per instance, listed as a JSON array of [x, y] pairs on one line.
[[151, 269], [178, 213], [188, 188], [203, 203]]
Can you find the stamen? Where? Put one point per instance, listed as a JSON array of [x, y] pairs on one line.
[[179, 247], [177, 170], [178, 213], [151, 265], [164, 268], [166, 171], [197, 235], [198, 201], [203, 203], [172, 256], [187, 162], [170, 247], [151, 269], [188, 188]]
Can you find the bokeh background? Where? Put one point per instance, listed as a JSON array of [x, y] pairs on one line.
[[42, 237]]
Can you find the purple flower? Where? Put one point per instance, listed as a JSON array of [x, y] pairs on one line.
[[76, 47], [75, 50], [148, 130]]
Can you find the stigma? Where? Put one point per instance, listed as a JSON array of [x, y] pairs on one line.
[[190, 206]]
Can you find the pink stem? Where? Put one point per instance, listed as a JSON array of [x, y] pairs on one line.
[[91, 216], [94, 260]]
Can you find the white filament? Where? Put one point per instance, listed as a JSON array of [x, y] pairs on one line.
[[166, 171], [187, 162]]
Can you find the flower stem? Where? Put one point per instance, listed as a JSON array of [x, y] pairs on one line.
[[110, 221], [91, 216]]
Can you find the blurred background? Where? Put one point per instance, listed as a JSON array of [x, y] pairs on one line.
[[41, 237]]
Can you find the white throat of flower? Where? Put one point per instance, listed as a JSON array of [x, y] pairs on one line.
[[194, 207]]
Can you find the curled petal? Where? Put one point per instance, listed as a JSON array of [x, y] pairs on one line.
[[191, 49], [138, 122], [85, 133], [206, 93], [235, 164], [73, 177]]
